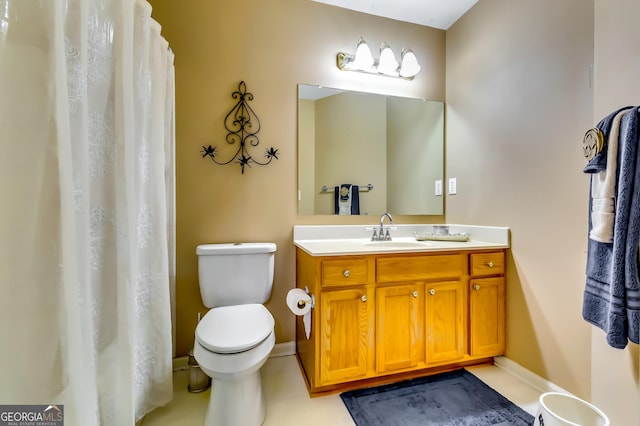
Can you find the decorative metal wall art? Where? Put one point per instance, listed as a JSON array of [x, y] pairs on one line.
[[242, 125]]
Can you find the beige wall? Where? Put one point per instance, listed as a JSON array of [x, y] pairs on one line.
[[351, 126], [519, 100], [518, 103], [415, 149], [306, 155], [524, 82], [396, 144], [615, 374], [272, 46]]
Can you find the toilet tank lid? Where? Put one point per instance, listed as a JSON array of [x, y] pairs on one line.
[[234, 248]]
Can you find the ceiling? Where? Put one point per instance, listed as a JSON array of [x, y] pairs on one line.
[[431, 13]]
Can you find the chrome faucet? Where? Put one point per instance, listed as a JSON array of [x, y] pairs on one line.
[[382, 236]]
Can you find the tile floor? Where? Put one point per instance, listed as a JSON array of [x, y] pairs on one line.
[[289, 404]]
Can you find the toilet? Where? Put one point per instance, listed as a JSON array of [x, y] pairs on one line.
[[234, 339]]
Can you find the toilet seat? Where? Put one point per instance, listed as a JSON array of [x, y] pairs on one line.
[[233, 329]]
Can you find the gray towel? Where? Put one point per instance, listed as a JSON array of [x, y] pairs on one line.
[[347, 199], [603, 188], [599, 162], [612, 292]]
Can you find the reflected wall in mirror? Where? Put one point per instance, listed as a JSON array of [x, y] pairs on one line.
[[394, 144]]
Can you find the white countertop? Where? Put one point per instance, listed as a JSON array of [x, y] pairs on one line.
[[336, 240]]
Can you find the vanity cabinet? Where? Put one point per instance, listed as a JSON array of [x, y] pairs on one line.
[[346, 334], [401, 314], [446, 318], [400, 320], [420, 310], [347, 311], [487, 304]]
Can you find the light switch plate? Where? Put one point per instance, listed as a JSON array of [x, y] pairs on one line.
[[453, 186], [438, 189]]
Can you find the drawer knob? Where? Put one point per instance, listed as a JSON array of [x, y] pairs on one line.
[[415, 293], [476, 287], [490, 264], [363, 298], [346, 273], [432, 291]]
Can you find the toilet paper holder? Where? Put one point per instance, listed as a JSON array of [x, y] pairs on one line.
[[312, 300]]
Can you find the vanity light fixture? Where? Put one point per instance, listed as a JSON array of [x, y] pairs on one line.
[[387, 65]]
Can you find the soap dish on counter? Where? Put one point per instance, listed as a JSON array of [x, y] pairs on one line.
[[428, 236]]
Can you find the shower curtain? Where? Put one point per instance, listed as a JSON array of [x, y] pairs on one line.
[[87, 208]]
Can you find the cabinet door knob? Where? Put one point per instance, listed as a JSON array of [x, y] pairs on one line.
[[363, 298], [490, 264], [346, 273], [415, 293], [476, 287], [432, 291]]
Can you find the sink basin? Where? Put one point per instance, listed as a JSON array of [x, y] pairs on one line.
[[396, 244]]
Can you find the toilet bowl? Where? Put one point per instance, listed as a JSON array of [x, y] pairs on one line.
[[234, 339], [232, 344]]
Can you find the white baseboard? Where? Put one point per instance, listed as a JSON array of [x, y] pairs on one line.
[[181, 363], [280, 349], [511, 367], [535, 381], [283, 349]]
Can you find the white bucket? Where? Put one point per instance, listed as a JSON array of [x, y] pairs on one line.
[[559, 409]]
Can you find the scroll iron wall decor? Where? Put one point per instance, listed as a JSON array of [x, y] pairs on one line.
[[239, 124]]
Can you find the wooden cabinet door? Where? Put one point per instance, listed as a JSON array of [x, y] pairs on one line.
[[399, 327], [346, 327], [445, 321], [487, 316]]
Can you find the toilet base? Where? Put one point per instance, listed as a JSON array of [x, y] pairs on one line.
[[238, 402], [236, 385]]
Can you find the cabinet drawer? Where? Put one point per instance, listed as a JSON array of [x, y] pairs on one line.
[[417, 268], [340, 272], [484, 264]]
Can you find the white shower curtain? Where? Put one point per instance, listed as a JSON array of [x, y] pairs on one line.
[[87, 208]]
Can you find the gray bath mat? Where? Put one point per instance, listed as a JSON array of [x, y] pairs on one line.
[[456, 398]]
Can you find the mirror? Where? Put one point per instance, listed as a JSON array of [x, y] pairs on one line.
[[391, 148]]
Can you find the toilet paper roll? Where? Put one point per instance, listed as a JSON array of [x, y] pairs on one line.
[[298, 301], [306, 320]]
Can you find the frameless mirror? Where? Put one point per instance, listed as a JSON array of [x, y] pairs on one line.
[[391, 149]]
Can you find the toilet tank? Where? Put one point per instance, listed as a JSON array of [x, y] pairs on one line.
[[235, 273]]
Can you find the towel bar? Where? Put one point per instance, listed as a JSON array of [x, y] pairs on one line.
[[361, 188]]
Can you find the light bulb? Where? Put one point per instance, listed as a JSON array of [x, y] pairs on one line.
[[410, 66], [363, 59], [387, 64]]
